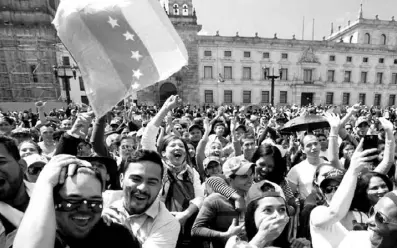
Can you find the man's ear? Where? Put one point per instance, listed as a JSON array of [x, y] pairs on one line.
[[121, 179], [24, 166]]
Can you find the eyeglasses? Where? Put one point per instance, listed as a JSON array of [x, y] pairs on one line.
[[330, 189], [379, 217], [34, 170], [125, 147], [64, 205]]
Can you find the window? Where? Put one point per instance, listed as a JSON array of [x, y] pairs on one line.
[[228, 96], [266, 55], [383, 39], [364, 75], [84, 99], [247, 54], [346, 98], [377, 99], [227, 72], [392, 100], [207, 72], [266, 73], [207, 53], [365, 59], [283, 97], [332, 58], [348, 75], [394, 78], [228, 53], [361, 98], [208, 96], [349, 59], [66, 60], [284, 74], [331, 76], [246, 96], [367, 38], [329, 98], [33, 72], [185, 10], [81, 84], [175, 9], [379, 77], [308, 76], [247, 73], [265, 97], [381, 60], [395, 61], [284, 55]]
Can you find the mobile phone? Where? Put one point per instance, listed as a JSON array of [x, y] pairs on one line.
[[370, 142]]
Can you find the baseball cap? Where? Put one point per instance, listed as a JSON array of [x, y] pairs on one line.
[[35, 159], [210, 159], [242, 127], [362, 119], [109, 163], [259, 194], [236, 166], [334, 174], [194, 126], [114, 122], [253, 118]]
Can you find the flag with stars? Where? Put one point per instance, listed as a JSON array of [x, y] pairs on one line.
[[121, 46]]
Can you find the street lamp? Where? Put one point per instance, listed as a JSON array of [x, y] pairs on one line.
[[272, 78], [62, 72]]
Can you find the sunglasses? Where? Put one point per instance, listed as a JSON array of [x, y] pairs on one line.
[[34, 170], [64, 205], [330, 189], [380, 218]]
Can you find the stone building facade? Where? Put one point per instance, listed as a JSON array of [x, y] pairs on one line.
[[27, 51], [357, 63]]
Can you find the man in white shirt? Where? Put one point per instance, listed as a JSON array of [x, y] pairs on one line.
[[301, 176]]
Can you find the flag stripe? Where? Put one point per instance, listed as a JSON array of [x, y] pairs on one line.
[[156, 31], [98, 73]]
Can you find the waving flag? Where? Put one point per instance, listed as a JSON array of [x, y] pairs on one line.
[[121, 46]]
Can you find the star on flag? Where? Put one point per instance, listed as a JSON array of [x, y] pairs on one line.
[[113, 22], [137, 74], [136, 55], [135, 86], [128, 36]]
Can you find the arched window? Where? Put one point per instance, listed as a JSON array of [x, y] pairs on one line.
[[185, 10], [383, 39], [367, 38], [175, 9], [351, 39]]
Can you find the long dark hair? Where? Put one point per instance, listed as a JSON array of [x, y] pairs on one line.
[[251, 229], [280, 168], [360, 200]]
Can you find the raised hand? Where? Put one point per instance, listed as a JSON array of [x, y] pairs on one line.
[[333, 120], [233, 124], [82, 123], [172, 102], [355, 108], [234, 229], [207, 124], [386, 124], [40, 105]]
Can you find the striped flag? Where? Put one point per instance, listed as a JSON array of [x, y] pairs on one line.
[[121, 46]]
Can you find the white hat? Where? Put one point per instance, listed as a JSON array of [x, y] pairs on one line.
[[34, 159]]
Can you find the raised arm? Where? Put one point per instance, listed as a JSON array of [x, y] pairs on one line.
[[149, 135], [388, 156], [98, 137], [200, 152], [333, 153], [339, 206]]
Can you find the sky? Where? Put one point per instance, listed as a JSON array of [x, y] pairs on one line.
[[285, 17]]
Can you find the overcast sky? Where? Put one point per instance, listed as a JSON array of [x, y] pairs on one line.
[[285, 17]]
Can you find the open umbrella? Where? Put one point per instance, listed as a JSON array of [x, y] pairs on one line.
[[307, 122]]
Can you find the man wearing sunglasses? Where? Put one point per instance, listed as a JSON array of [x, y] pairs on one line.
[[382, 227], [65, 210]]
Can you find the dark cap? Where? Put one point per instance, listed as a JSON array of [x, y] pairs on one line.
[[333, 175], [194, 126], [109, 163]]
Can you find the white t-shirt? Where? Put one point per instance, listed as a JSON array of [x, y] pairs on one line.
[[302, 175], [324, 154], [359, 239]]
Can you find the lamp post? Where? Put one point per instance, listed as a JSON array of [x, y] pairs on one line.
[[62, 72], [272, 78]]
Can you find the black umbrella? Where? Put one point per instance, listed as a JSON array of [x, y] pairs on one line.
[[307, 122]]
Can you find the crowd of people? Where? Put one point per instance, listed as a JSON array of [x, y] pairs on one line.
[[198, 176]]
